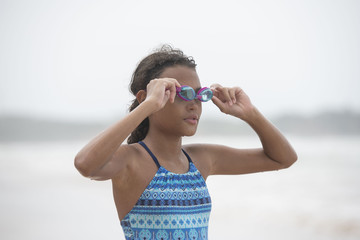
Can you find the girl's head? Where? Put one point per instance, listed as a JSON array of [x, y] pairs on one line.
[[149, 68]]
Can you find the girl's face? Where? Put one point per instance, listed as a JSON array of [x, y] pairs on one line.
[[181, 117]]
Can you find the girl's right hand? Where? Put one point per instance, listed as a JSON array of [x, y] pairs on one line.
[[161, 90]]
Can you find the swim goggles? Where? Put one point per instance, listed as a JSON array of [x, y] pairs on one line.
[[187, 93]]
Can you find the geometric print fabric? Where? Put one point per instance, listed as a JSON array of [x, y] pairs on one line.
[[173, 206]]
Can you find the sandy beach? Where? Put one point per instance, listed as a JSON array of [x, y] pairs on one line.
[[44, 197]]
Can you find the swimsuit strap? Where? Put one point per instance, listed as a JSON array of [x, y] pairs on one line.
[[187, 155], [155, 159], [151, 154]]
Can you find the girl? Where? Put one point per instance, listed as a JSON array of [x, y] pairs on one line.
[[158, 183]]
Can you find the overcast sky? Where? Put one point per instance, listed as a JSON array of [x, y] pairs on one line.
[[73, 59]]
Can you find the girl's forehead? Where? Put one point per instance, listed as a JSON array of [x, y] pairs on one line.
[[184, 75]]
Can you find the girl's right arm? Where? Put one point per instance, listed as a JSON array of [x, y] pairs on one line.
[[93, 159], [104, 156]]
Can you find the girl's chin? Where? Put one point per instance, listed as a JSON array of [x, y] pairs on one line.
[[189, 134]]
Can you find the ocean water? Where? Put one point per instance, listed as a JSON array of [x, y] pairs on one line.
[[44, 197]]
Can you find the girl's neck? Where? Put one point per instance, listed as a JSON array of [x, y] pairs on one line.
[[164, 146]]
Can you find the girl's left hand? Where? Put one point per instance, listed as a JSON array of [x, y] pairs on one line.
[[233, 101]]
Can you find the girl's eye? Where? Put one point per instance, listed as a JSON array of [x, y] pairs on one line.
[[188, 94]]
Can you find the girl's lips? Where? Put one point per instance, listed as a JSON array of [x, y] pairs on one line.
[[192, 119]]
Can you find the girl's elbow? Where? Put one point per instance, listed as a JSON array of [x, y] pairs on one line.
[[294, 158], [290, 161], [81, 165]]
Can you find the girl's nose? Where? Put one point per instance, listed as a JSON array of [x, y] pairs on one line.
[[194, 104]]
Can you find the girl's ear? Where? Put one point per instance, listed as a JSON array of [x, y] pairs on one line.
[[140, 96]]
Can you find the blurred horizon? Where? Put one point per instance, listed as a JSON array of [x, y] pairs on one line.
[[327, 123]]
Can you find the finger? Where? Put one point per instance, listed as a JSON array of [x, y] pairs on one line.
[[215, 88], [177, 83], [232, 93], [218, 103], [172, 83], [226, 95], [172, 94], [167, 95], [215, 85]]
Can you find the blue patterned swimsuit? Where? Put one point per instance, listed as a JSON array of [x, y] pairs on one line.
[[172, 207]]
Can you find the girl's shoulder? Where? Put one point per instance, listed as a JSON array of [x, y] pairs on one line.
[[200, 154], [132, 156], [202, 149], [133, 153], [136, 162]]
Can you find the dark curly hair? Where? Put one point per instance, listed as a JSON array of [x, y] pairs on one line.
[[149, 68]]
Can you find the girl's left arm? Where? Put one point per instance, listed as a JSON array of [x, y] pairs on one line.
[[276, 152]]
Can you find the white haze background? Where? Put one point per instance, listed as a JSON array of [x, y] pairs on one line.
[[74, 59]]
